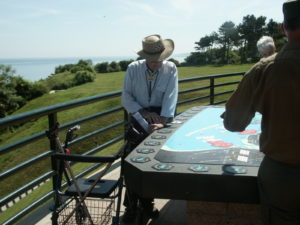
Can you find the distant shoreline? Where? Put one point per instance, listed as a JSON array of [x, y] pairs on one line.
[[34, 69]]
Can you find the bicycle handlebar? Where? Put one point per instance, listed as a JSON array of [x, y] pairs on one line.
[[77, 127]]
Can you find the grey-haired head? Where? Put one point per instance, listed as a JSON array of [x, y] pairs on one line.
[[266, 46]]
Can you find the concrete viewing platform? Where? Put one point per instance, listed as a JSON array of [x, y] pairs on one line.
[[181, 212]]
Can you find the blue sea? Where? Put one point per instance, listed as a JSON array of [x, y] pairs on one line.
[[34, 69]]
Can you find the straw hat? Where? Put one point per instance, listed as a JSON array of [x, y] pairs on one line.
[[155, 48]]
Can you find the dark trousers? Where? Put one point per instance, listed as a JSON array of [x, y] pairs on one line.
[[134, 136], [131, 198], [279, 186], [131, 201]]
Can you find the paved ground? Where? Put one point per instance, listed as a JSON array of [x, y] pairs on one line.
[[172, 212], [176, 212]]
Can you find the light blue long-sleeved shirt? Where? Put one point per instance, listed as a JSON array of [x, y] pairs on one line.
[[164, 91]]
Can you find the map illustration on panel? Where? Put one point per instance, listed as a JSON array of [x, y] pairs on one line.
[[203, 139]]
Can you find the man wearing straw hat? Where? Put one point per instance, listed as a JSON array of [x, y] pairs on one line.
[[272, 87], [149, 97]]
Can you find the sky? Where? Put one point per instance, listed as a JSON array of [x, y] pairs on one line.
[[92, 28]]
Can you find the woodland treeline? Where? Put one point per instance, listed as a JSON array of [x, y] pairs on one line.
[[233, 44]]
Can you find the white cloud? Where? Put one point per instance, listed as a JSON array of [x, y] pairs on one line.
[[186, 6], [140, 13], [39, 12], [141, 7], [4, 22]]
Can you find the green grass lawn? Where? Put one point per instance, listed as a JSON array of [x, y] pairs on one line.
[[103, 83]]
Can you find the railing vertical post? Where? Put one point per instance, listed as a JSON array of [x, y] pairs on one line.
[[52, 120], [125, 123], [212, 91]]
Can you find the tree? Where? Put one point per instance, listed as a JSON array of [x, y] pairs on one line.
[[9, 100], [196, 58], [235, 44], [273, 30], [250, 30], [206, 42], [228, 37]]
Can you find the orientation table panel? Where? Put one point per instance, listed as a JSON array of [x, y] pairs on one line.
[[195, 158]]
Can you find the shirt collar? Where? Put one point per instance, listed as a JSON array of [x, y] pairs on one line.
[[146, 68]]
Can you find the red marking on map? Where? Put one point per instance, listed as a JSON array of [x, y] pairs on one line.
[[220, 143], [246, 132]]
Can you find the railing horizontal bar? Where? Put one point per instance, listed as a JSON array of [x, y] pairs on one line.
[[28, 209], [224, 93], [221, 102], [22, 117], [194, 89], [96, 132], [217, 76], [25, 164], [193, 100], [226, 84], [96, 115], [25, 188], [211, 76], [8, 147], [106, 144], [85, 158]]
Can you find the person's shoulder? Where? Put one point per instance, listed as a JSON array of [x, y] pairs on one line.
[[169, 66], [269, 59], [135, 65], [169, 63], [262, 65], [264, 62]]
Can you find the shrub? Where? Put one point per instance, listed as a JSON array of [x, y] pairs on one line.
[[61, 86], [101, 67], [59, 81], [37, 90], [73, 68], [176, 62], [234, 58], [82, 77], [124, 64], [76, 68], [9, 99], [22, 87], [196, 58], [63, 68], [87, 62], [114, 67]]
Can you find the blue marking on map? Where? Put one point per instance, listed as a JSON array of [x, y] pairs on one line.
[[205, 131]]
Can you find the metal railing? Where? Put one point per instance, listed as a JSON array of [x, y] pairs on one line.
[[205, 95]]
